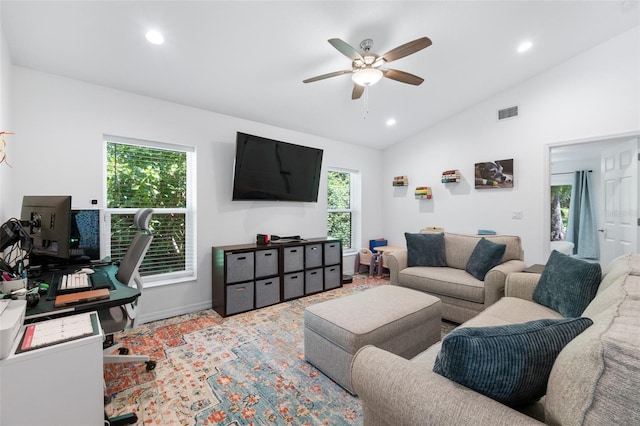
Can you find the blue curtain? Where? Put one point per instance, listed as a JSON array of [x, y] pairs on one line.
[[582, 227]]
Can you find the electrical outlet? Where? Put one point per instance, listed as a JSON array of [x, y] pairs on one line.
[[516, 214]]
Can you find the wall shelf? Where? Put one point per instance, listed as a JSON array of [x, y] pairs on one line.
[[423, 193], [400, 181], [450, 176]]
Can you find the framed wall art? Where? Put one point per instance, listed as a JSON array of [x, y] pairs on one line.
[[494, 174]]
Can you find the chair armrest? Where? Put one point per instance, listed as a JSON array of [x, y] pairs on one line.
[[396, 391], [396, 262], [494, 280], [521, 285]]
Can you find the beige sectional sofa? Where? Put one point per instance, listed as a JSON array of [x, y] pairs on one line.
[[463, 296], [595, 379]]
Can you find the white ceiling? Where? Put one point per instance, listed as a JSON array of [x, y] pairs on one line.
[[248, 59]]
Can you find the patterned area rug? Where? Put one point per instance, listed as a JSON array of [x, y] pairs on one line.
[[247, 369]]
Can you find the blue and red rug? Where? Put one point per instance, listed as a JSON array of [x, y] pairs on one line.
[[247, 369]]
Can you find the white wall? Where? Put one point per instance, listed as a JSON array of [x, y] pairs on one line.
[[5, 121], [59, 125], [592, 95]]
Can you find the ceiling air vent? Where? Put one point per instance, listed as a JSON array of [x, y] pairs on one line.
[[505, 113]]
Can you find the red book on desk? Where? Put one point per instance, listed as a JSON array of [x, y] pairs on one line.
[[81, 297]]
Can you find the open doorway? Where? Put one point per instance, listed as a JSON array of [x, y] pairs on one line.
[[612, 166]]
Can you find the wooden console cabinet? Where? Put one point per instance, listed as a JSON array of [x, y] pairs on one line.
[[251, 276]]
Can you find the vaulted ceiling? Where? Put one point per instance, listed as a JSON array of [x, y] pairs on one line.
[[248, 59]]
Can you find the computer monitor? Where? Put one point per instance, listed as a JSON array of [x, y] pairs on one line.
[[47, 220], [85, 235], [84, 242]]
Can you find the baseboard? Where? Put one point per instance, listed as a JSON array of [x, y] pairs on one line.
[[168, 313]]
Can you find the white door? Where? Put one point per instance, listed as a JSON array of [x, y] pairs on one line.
[[619, 172]]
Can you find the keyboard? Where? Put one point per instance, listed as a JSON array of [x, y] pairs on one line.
[[70, 283]]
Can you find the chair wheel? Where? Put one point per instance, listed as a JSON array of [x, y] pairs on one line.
[[151, 365], [123, 351]]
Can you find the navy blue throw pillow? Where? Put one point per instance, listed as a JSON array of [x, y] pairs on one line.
[[567, 285], [485, 256], [425, 249], [509, 363]]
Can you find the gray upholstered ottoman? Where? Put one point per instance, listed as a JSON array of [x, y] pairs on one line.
[[397, 319]]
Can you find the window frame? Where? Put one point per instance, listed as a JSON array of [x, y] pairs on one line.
[[354, 210], [189, 211]]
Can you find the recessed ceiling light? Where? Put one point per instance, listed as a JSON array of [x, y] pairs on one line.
[[524, 46], [391, 122], [154, 37]]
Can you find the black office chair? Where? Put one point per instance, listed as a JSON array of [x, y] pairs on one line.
[[120, 318]]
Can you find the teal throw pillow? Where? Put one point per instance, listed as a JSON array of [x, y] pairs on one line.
[[425, 249], [485, 256], [567, 285], [509, 363]]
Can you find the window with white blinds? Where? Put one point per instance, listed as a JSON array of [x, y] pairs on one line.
[[141, 174], [343, 207]]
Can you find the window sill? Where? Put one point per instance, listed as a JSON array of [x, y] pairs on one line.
[[169, 279]]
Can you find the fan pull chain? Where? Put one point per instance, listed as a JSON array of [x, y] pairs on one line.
[[366, 102]]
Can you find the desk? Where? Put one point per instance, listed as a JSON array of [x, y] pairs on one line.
[[59, 385], [120, 296], [379, 256]]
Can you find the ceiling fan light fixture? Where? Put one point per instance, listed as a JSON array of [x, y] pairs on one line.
[[366, 76]]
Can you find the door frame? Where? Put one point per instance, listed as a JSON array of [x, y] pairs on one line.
[[546, 179]]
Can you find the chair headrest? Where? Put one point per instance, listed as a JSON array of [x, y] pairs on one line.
[[142, 218]]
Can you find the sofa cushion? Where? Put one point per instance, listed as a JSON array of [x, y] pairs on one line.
[[425, 249], [443, 281], [458, 247], [595, 379], [485, 256], [510, 363], [567, 284]]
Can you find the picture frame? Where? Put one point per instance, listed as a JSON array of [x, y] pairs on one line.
[[494, 174]]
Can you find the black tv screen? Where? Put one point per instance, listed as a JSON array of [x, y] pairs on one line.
[[266, 169]]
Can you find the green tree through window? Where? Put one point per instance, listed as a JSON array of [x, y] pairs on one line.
[[339, 204], [144, 176]]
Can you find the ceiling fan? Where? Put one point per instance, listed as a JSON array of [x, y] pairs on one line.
[[366, 68]]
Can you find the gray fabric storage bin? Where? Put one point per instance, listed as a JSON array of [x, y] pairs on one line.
[[312, 256], [267, 292], [240, 297], [294, 285], [332, 278], [313, 281], [266, 262], [293, 259], [239, 267], [332, 253]]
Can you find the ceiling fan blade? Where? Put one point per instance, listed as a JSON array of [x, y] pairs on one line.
[[329, 75], [407, 49], [403, 77], [345, 49], [357, 91]]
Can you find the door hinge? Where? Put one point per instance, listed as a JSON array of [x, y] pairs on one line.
[[639, 221]]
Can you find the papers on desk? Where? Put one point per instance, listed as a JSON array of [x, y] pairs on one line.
[[58, 330]]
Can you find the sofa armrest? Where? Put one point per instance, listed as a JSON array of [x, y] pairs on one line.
[[396, 391], [521, 285], [396, 262], [494, 280]]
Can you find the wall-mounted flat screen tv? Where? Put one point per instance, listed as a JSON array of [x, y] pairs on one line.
[[266, 169]]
